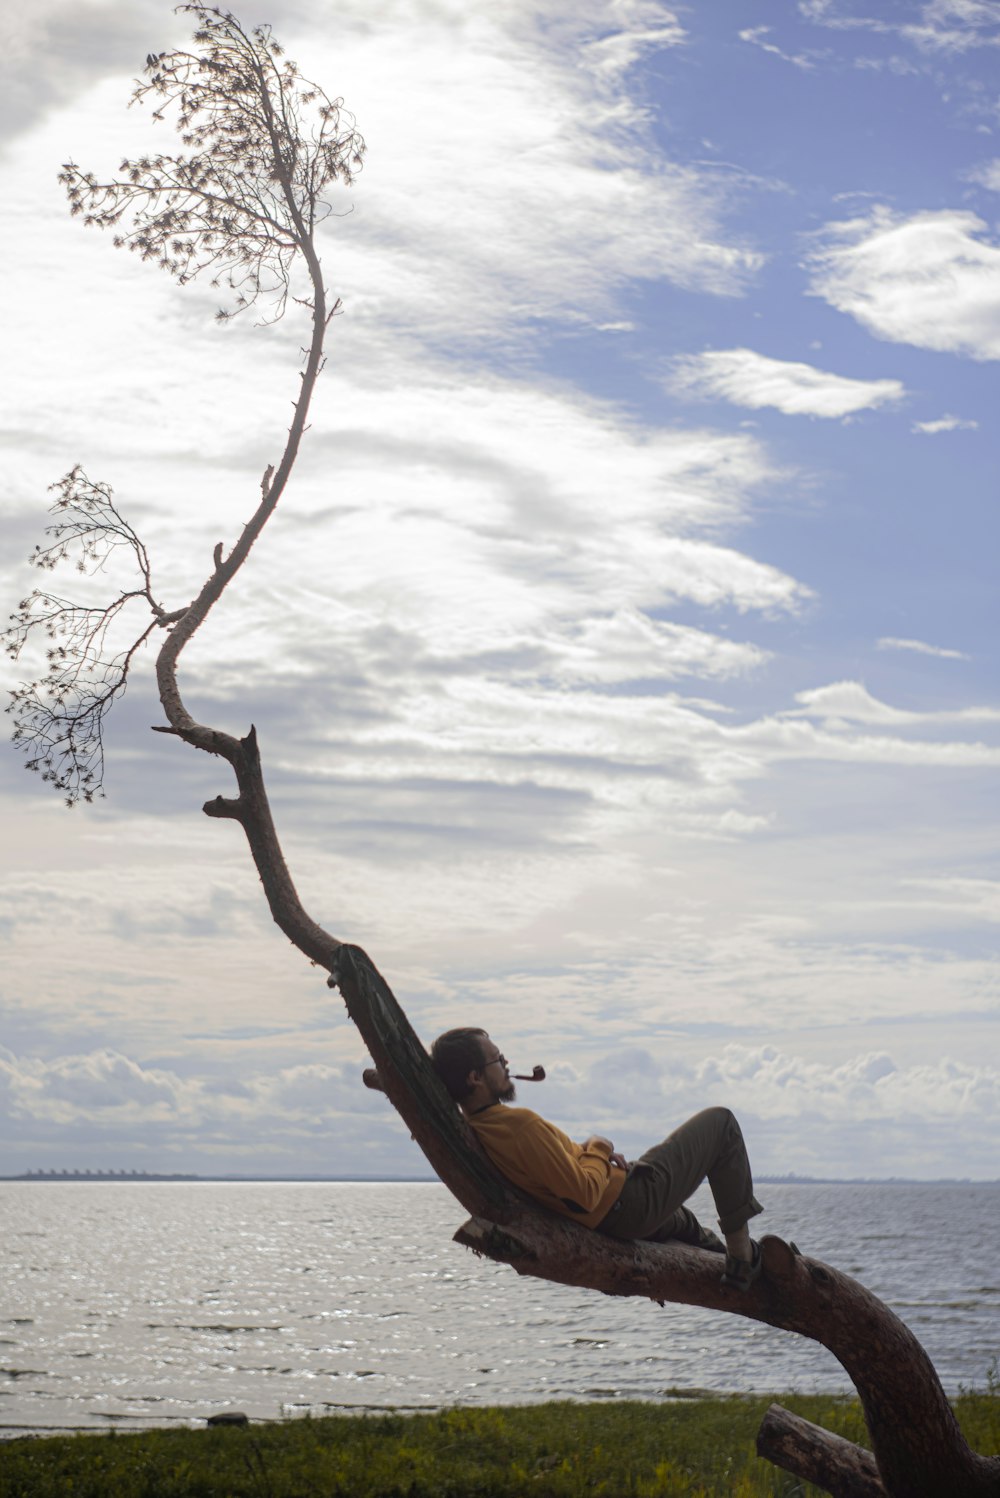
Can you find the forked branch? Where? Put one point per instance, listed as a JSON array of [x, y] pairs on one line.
[[264, 146], [59, 717]]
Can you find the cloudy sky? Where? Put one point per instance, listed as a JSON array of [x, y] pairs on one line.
[[624, 657]]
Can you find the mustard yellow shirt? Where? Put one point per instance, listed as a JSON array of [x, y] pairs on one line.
[[543, 1161]]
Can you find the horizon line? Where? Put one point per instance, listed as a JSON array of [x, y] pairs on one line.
[[125, 1176]]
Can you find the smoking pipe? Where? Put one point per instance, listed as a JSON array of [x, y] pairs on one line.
[[371, 1078]]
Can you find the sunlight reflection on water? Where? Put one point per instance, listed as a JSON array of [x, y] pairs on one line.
[[148, 1303]]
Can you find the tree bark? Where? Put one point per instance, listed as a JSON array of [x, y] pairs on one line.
[[838, 1466]]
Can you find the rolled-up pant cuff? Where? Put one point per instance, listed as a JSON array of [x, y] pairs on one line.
[[733, 1221]]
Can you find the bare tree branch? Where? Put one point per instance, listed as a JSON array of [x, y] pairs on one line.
[[59, 718], [265, 146]]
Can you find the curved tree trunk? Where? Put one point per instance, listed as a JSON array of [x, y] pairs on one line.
[[919, 1450]]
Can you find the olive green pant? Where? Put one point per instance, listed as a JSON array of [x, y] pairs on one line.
[[651, 1204]]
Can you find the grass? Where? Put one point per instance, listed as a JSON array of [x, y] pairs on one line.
[[702, 1448]]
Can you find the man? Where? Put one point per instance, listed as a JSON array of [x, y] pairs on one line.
[[591, 1182]]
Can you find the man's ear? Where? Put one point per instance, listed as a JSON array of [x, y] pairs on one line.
[[472, 1080]]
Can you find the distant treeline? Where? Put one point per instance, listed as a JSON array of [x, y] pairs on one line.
[[98, 1175]]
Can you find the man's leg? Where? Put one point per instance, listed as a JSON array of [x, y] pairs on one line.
[[683, 1227], [708, 1145]]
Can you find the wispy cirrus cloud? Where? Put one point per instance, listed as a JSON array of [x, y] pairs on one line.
[[931, 279], [919, 647], [954, 26], [542, 198], [852, 702], [942, 26], [944, 424], [746, 378], [760, 36], [542, 195], [986, 174]]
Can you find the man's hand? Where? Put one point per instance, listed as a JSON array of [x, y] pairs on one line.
[[614, 1158]]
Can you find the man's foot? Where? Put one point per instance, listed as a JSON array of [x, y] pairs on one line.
[[739, 1274]]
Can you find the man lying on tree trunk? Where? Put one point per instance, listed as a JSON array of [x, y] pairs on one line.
[[591, 1182]]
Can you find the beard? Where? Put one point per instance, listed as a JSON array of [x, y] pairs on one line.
[[508, 1095]]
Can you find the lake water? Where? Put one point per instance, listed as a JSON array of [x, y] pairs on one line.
[[132, 1304]]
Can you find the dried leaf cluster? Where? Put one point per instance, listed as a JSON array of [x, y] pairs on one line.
[[263, 145]]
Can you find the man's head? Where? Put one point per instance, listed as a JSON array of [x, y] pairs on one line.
[[470, 1065]]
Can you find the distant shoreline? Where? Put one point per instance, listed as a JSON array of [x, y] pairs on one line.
[[145, 1177]]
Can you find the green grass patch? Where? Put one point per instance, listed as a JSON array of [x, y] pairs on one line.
[[703, 1448]]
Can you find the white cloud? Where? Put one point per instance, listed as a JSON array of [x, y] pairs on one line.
[[891, 642], [779, 739], [955, 26], [629, 646], [529, 191], [523, 532], [987, 174], [622, 31], [867, 1087], [850, 701], [944, 424], [757, 36], [750, 379], [540, 196], [106, 1100], [830, 13], [943, 27], [978, 898], [75, 1087], [136, 1110], [932, 280]]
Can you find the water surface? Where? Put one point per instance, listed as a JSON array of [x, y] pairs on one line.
[[135, 1303]]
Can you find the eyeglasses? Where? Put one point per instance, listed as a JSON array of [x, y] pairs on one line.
[[502, 1060]]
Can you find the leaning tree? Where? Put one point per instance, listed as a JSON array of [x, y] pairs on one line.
[[243, 201]]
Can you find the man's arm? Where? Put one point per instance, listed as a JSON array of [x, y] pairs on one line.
[[545, 1162], [576, 1174]]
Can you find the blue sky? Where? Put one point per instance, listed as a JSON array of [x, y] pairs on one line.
[[624, 657]]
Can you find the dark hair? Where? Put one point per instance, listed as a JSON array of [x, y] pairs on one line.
[[453, 1055]]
